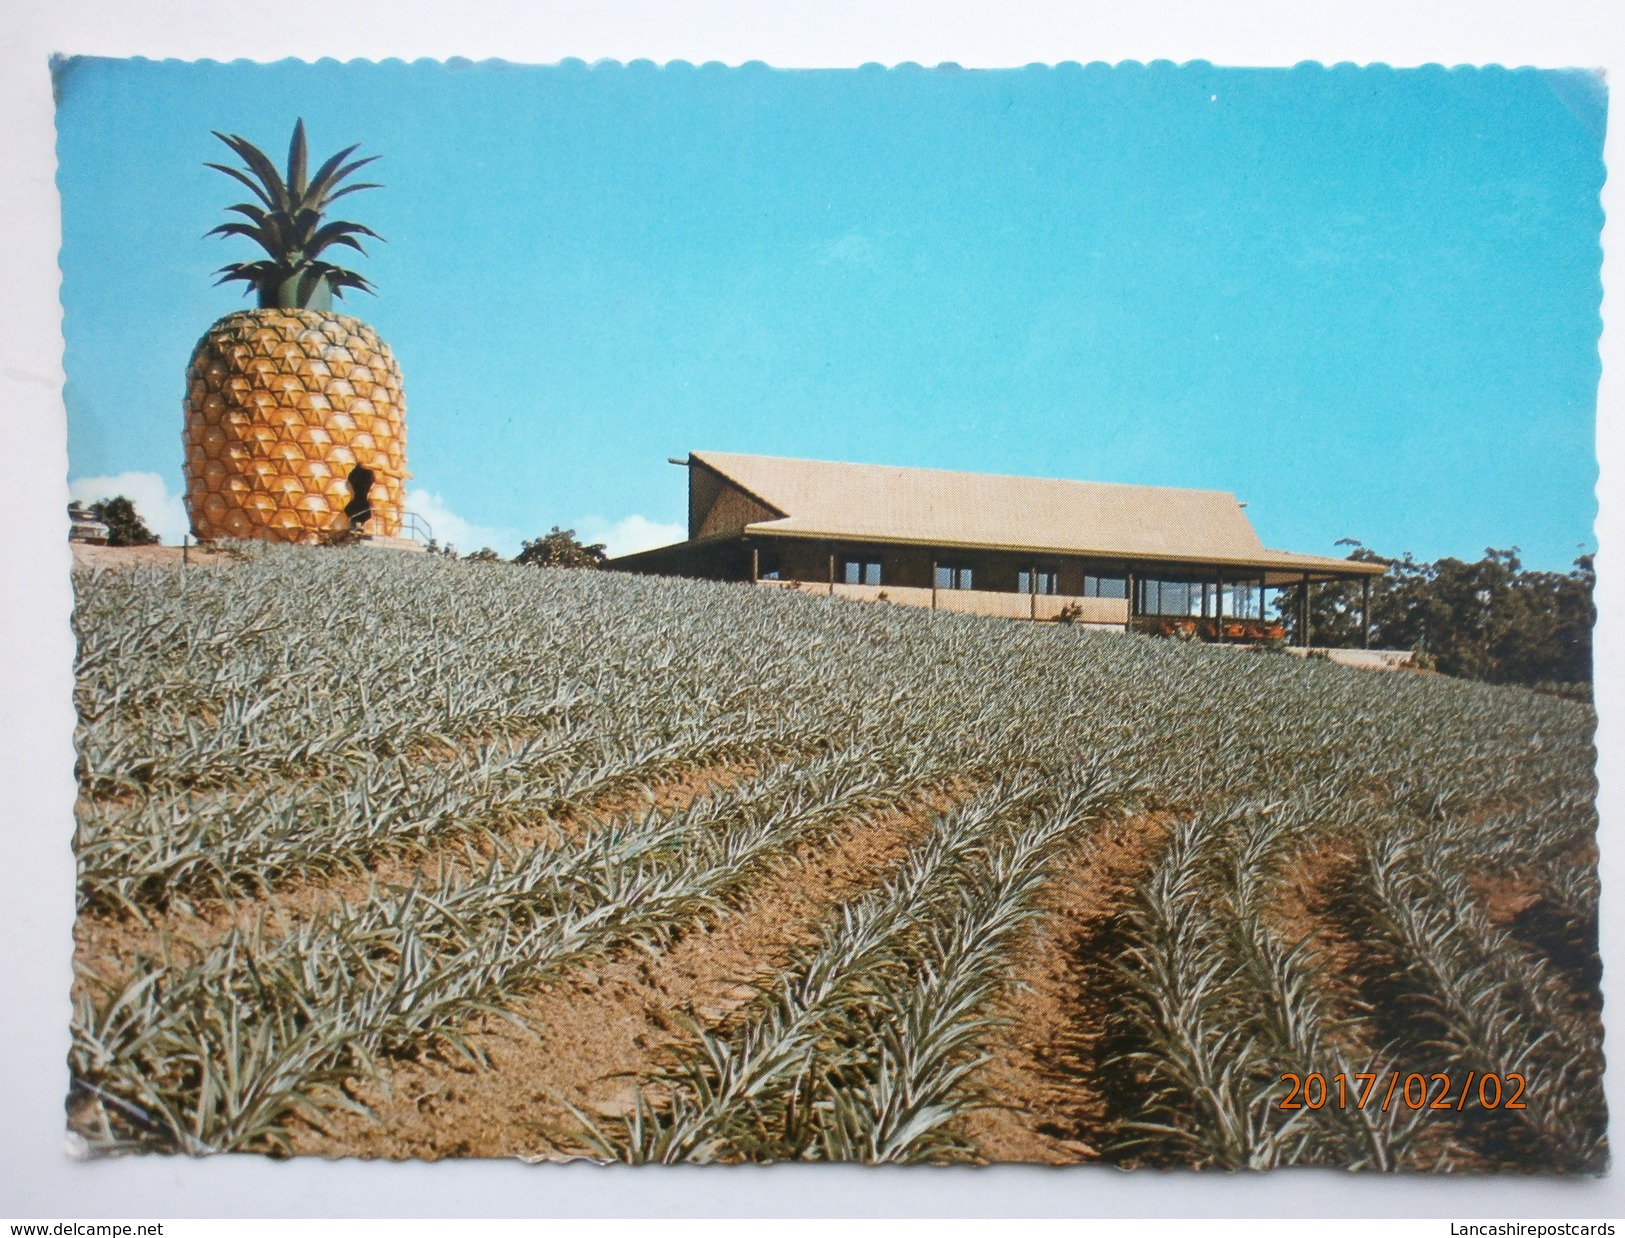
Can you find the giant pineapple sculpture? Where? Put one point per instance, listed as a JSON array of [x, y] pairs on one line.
[[295, 419]]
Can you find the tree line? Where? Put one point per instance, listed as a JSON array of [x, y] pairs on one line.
[[1493, 620]]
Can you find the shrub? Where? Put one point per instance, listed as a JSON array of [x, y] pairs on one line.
[[124, 524], [560, 548]]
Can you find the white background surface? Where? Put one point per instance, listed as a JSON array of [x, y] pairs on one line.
[[36, 788]]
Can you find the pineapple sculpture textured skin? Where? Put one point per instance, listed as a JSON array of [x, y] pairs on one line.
[[281, 405]]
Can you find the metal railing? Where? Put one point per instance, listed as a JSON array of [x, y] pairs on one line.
[[416, 527]]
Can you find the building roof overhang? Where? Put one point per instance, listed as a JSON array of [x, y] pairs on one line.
[[1281, 567]]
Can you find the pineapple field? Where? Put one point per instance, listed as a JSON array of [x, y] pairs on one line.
[[391, 855]]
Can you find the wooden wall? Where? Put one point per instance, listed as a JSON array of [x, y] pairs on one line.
[[717, 506]]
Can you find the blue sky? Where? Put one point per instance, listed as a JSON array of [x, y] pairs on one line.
[[1364, 300]]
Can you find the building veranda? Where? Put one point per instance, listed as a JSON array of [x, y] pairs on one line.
[[1146, 558]]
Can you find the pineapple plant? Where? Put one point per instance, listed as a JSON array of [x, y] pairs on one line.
[[295, 417]]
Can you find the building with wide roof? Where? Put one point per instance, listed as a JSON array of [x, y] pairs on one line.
[[1148, 557]]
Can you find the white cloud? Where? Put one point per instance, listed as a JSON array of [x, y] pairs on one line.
[[450, 529], [160, 511], [629, 534], [165, 515]]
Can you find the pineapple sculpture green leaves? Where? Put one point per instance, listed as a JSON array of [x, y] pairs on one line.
[[295, 418]]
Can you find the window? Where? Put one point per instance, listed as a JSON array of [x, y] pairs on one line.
[[1244, 599], [768, 566], [1046, 581], [1105, 587], [953, 576], [860, 571], [1169, 597]]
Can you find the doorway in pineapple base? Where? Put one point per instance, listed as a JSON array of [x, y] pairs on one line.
[[359, 508]]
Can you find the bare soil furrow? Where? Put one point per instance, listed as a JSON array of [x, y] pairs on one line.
[[1050, 1090], [1563, 934], [1306, 898], [1322, 899], [586, 1039]]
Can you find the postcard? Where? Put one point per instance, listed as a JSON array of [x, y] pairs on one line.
[[697, 613]]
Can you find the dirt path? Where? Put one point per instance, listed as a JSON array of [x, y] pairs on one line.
[[1312, 885], [1320, 899], [1047, 1075], [112, 558], [586, 1038], [1563, 934]]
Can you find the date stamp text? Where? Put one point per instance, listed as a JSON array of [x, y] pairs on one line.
[[1414, 1091]]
